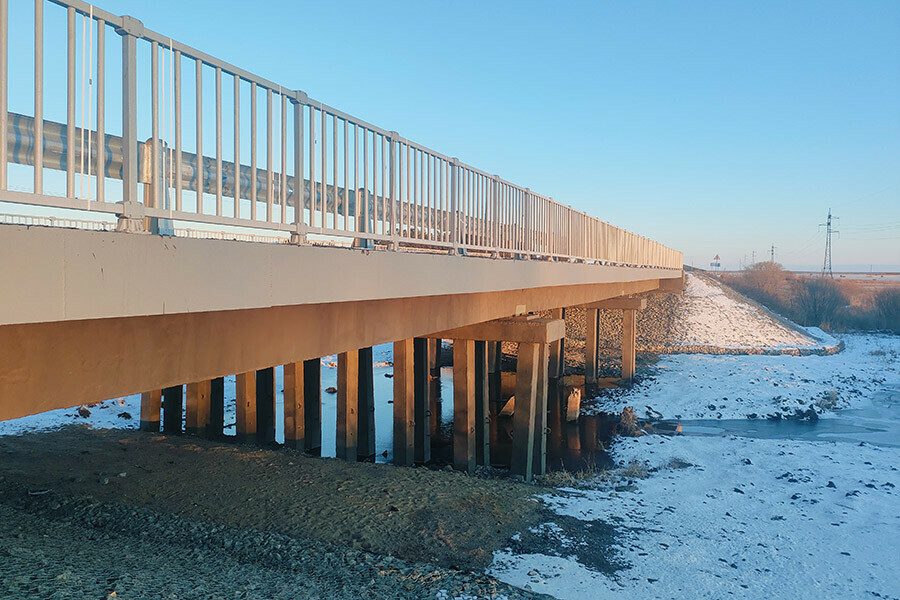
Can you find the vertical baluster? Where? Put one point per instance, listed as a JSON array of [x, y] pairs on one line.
[[324, 139], [100, 165], [346, 181], [199, 163], [298, 166], [283, 175], [270, 176], [39, 96], [237, 147], [356, 224], [179, 187], [70, 102], [313, 196], [4, 89], [219, 141], [155, 183], [362, 212], [334, 168], [254, 187], [373, 216], [385, 192]]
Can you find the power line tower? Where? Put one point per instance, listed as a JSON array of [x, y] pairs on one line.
[[826, 267]]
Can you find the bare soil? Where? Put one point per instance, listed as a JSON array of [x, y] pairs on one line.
[[448, 521]]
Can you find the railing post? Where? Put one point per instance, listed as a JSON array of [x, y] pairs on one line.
[[131, 218], [495, 198], [454, 211], [298, 235], [4, 88], [393, 138], [529, 232]]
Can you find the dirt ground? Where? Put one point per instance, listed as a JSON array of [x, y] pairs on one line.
[[85, 512]]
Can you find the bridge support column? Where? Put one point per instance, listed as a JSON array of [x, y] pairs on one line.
[[312, 405], [151, 406], [464, 405], [629, 331], [347, 405], [294, 418], [533, 336], [482, 406], [558, 348], [404, 394], [265, 406], [522, 462], [592, 326], [540, 411], [173, 407], [366, 409], [216, 408], [434, 357], [197, 405], [421, 401], [245, 407]]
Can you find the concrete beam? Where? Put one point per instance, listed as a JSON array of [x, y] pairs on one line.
[[515, 329], [619, 303], [45, 366], [68, 274]]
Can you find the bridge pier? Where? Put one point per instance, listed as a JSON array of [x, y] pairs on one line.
[[591, 340], [529, 418], [557, 358], [294, 405], [245, 407], [347, 437], [265, 406], [404, 395], [482, 406], [197, 407], [464, 405], [366, 410], [151, 407], [216, 408], [173, 406], [422, 401]]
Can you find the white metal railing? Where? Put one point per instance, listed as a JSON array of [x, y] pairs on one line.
[[322, 171]]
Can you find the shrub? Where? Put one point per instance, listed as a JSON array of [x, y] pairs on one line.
[[887, 306], [817, 302]]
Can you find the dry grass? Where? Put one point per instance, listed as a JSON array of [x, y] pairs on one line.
[[636, 469]]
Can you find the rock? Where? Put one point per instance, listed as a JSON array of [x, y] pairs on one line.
[[125, 415], [84, 411], [739, 490], [331, 390], [831, 484], [747, 461], [389, 375]]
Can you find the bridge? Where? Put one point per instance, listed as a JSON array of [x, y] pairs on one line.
[[183, 220]]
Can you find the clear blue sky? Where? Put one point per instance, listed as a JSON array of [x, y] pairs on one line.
[[714, 127]]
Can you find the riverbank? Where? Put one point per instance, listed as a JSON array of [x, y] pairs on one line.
[[710, 514]]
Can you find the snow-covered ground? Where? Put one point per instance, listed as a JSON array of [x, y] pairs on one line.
[[704, 386], [711, 318], [744, 517], [732, 517]]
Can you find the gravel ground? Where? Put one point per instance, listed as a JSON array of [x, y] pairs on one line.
[[86, 513]]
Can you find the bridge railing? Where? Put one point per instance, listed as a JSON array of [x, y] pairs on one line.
[[279, 161]]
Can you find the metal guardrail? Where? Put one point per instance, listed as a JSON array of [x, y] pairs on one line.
[[346, 178]]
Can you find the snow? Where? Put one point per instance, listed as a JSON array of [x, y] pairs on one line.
[[710, 317], [743, 517], [704, 386], [748, 518]]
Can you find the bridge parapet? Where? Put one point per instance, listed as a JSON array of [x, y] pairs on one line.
[[324, 174]]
